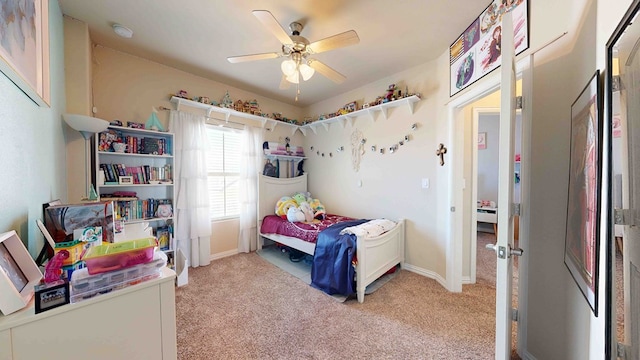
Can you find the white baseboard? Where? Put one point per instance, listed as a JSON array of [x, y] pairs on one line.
[[466, 280], [225, 254], [528, 356], [426, 273]]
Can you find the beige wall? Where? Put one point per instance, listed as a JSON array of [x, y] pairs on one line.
[[77, 64], [391, 183]]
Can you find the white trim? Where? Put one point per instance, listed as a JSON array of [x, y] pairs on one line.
[[224, 254], [426, 273], [466, 280], [456, 179], [526, 69], [527, 356]]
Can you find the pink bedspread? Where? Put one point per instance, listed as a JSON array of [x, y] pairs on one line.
[[273, 224]]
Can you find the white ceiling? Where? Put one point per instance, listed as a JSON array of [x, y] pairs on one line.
[[198, 35]]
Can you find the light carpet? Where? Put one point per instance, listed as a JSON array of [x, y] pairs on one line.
[[243, 307]]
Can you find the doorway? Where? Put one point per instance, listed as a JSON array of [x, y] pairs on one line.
[[484, 182], [464, 206]]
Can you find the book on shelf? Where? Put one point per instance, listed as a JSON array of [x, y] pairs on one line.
[[135, 144], [163, 236], [143, 174]]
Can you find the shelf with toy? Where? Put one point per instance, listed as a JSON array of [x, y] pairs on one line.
[[285, 157], [368, 111], [264, 121], [371, 111]]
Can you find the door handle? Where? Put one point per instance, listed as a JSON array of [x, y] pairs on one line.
[[502, 251]]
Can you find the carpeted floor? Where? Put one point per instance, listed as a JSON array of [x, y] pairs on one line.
[[243, 307]]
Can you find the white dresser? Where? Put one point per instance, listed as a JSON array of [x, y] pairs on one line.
[[137, 322]]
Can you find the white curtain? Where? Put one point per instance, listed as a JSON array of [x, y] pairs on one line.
[[251, 162], [193, 226]]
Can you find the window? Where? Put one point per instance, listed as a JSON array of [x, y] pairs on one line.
[[223, 169]]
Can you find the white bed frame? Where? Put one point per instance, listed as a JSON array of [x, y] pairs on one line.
[[375, 255]]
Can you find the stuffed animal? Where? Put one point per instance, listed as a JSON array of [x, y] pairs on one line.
[[301, 197], [306, 210], [283, 205], [318, 209], [294, 214]]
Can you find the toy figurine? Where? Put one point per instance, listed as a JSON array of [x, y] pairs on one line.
[[226, 101], [390, 91], [53, 269]]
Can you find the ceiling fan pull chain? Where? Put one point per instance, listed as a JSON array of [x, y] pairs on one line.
[[297, 91]]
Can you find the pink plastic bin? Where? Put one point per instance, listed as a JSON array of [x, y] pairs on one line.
[[120, 255]]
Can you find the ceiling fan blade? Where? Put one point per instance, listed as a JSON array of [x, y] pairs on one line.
[[245, 58], [323, 69], [284, 84], [268, 20], [333, 42]]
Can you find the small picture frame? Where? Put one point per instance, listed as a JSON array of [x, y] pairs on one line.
[[18, 273], [50, 296], [125, 180], [482, 141]]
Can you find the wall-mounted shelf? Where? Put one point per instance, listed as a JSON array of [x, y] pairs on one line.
[[264, 121], [285, 157], [371, 111]]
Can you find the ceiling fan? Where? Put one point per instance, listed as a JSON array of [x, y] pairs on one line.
[[298, 50]]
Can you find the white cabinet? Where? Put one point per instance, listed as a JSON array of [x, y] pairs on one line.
[[5, 348], [139, 179], [137, 322]]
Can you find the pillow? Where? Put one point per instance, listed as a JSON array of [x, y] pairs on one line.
[[370, 229]]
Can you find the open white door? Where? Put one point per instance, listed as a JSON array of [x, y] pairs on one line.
[[504, 245], [630, 112]]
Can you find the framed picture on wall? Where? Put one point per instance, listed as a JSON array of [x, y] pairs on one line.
[[477, 51], [482, 141], [24, 49], [582, 239]]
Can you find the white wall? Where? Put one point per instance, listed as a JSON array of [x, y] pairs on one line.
[[32, 147]]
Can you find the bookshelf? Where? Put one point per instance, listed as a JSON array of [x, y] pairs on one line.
[[139, 180]]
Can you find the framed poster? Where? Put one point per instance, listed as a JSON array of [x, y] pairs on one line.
[[477, 51], [24, 47], [582, 240]]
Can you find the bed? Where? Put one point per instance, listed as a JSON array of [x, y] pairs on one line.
[[375, 255]]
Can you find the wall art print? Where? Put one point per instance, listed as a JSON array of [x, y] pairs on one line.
[[477, 51], [582, 239], [24, 46]]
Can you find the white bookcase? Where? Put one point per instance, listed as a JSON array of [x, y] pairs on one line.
[[145, 168]]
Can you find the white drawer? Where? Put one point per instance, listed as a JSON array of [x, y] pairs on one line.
[[488, 217]]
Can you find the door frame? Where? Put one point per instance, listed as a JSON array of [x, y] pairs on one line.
[[458, 208]]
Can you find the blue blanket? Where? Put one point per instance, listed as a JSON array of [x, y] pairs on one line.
[[331, 270]]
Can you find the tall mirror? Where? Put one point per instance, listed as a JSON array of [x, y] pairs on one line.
[[623, 121]]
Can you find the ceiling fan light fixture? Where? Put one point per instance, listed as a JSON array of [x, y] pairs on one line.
[[306, 71], [288, 67], [294, 78]]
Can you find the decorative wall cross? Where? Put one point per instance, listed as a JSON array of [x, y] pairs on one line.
[[440, 152]]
